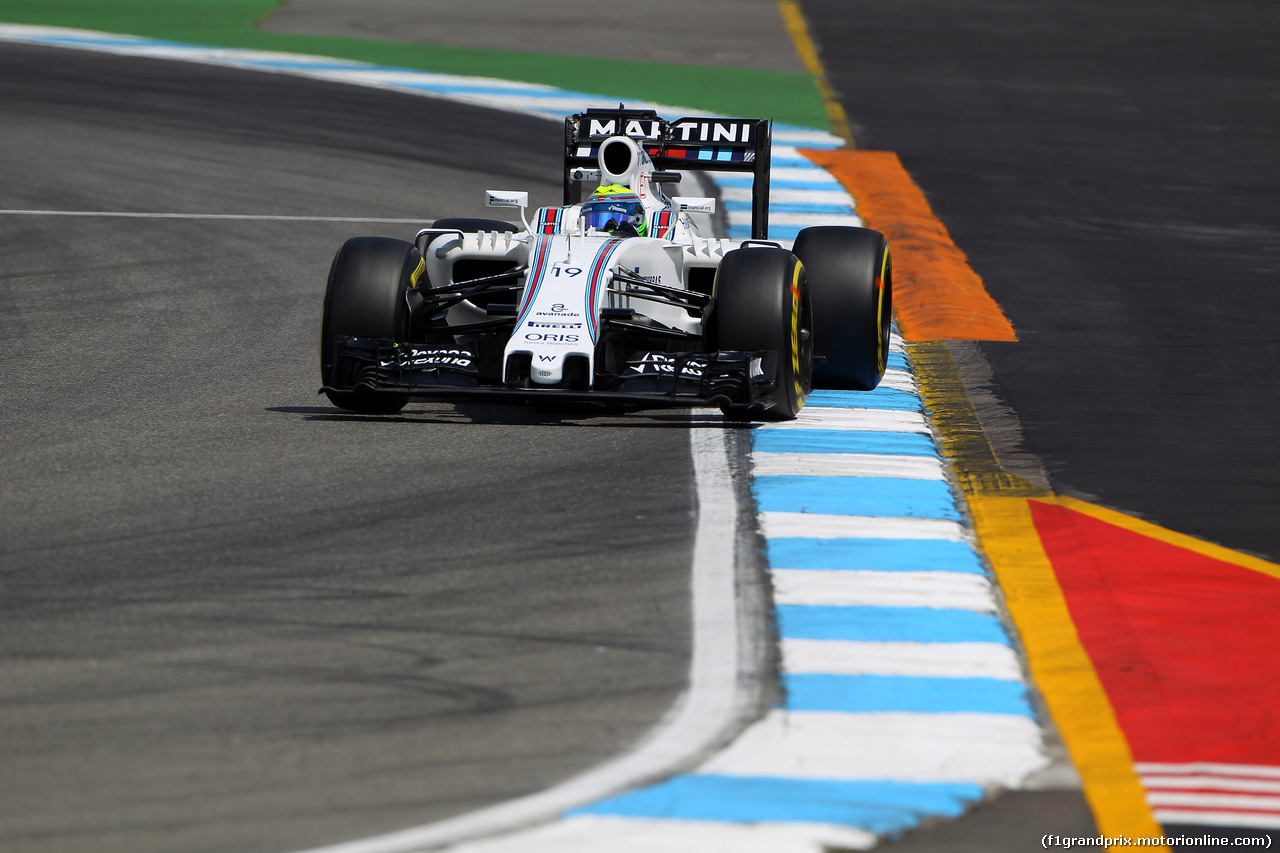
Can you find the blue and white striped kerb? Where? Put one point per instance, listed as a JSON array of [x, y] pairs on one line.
[[905, 700], [904, 697], [801, 193]]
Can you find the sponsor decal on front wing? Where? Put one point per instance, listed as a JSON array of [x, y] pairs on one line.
[[432, 358], [662, 364]]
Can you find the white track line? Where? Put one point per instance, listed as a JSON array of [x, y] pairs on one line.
[[698, 722], [116, 214]]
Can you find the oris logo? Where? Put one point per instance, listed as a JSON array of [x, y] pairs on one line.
[[551, 338]]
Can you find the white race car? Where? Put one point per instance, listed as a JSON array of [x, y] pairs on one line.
[[619, 298]]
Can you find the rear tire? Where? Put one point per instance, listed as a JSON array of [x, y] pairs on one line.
[[365, 298], [762, 303], [851, 282]]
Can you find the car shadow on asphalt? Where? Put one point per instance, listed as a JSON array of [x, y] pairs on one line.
[[528, 414]]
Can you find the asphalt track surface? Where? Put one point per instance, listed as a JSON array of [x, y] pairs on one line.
[[1111, 171], [1110, 168], [235, 618]]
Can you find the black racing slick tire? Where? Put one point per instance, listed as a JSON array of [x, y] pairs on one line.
[[365, 298], [851, 283], [762, 303]]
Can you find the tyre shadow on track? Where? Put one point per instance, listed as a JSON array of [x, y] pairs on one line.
[[505, 414]]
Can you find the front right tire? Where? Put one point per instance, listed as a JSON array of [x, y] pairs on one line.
[[762, 303]]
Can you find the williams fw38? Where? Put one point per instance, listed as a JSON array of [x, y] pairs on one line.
[[616, 296]]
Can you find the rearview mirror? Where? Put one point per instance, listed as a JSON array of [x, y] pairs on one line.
[[503, 198], [695, 205]]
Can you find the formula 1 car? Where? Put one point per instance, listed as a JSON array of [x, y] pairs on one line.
[[618, 298]]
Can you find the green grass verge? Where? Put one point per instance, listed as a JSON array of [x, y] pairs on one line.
[[788, 98]]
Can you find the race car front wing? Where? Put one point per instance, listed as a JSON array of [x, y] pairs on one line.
[[654, 379]]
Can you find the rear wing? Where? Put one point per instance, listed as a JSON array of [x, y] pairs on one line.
[[706, 144]]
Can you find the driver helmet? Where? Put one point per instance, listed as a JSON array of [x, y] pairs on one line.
[[615, 207]]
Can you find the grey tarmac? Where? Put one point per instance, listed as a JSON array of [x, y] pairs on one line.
[[234, 617]]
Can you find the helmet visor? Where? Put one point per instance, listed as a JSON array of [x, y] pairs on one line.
[[610, 214]]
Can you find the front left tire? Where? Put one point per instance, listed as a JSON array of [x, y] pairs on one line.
[[365, 298], [762, 303]]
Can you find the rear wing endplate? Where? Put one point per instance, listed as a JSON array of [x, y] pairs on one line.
[[694, 143]]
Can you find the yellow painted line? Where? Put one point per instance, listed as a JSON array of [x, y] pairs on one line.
[[798, 29], [961, 438], [1059, 664], [1060, 667], [1062, 670]]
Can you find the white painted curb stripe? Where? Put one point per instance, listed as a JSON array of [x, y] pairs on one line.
[[986, 749], [899, 380], [784, 525], [743, 195], [862, 588], [873, 420], [923, 660], [801, 220], [847, 465]]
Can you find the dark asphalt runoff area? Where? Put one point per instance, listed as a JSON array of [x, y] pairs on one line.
[[232, 617], [1111, 169]]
